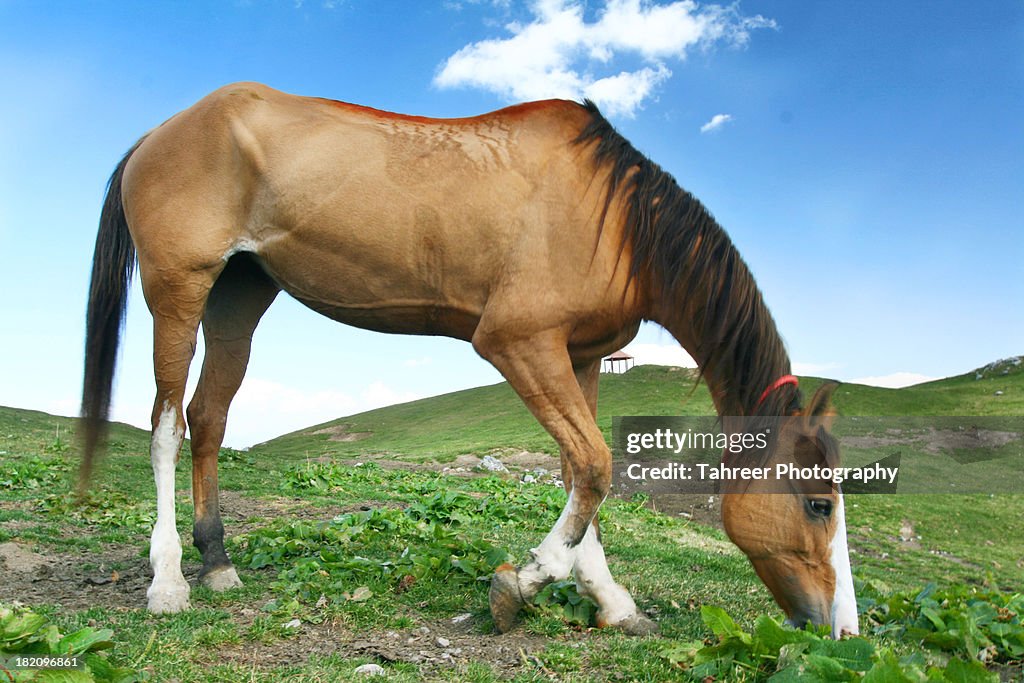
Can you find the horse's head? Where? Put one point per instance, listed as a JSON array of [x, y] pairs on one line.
[[794, 532]]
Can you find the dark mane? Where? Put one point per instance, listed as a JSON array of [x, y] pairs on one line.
[[677, 246]]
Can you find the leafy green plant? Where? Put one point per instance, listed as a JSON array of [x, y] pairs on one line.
[[781, 654], [111, 509], [319, 476], [961, 620], [230, 458], [380, 548], [27, 634], [31, 473], [58, 445], [562, 599]]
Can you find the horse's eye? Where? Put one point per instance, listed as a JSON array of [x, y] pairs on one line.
[[820, 506]]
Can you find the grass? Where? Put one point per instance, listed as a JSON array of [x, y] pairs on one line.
[[299, 511]]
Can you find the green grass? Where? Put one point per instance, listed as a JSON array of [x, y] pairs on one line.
[[290, 490]]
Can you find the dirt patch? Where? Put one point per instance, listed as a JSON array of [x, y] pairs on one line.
[[934, 440], [515, 460], [433, 646], [702, 508], [529, 460], [19, 559], [938, 440], [908, 537], [871, 442], [341, 433], [117, 578], [244, 507]]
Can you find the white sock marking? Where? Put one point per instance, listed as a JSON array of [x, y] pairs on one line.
[[169, 590], [595, 580], [552, 559]]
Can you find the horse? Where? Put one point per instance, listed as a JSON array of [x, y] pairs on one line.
[[535, 232]]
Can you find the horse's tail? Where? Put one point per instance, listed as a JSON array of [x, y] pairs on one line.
[[113, 264]]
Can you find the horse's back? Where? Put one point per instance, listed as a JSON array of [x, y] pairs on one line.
[[387, 221]]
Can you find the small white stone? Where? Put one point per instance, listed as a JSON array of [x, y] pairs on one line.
[[442, 641], [294, 623], [461, 618], [370, 670], [492, 464]]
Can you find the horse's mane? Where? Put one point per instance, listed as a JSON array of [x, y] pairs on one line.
[[674, 239]]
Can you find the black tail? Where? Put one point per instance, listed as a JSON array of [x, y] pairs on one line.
[[113, 263]]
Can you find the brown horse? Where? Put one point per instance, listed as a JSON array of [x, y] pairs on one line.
[[536, 232]]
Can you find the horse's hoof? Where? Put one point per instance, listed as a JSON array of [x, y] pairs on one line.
[[505, 598], [637, 625], [168, 599], [221, 579]]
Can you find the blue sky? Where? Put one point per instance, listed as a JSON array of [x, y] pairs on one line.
[[867, 159]]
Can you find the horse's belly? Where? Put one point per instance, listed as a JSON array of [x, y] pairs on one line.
[[404, 318], [367, 291]]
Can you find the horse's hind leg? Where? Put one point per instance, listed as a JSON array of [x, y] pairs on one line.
[[593, 578], [176, 298], [240, 297]]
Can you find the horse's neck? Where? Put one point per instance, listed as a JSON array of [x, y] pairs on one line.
[[738, 367]]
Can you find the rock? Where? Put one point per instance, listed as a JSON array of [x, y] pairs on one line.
[[370, 670], [442, 641], [529, 479], [294, 623], [999, 393], [491, 464], [461, 618]]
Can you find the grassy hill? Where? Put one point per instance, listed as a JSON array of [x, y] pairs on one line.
[[492, 417]]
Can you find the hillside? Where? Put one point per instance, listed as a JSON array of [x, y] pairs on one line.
[[492, 417], [345, 565]]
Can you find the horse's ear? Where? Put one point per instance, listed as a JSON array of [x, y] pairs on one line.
[[820, 411]]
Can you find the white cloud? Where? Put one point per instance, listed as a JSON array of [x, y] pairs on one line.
[[660, 354], [560, 54], [895, 380], [716, 122], [418, 362]]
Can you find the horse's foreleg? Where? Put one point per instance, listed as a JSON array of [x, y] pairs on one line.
[[540, 371], [238, 300], [593, 578], [616, 607]]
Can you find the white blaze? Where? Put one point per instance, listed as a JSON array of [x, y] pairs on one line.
[[844, 603]]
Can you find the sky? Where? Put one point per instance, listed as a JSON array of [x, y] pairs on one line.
[[866, 158]]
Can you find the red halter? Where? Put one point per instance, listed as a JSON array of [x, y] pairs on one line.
[[780, 382]]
